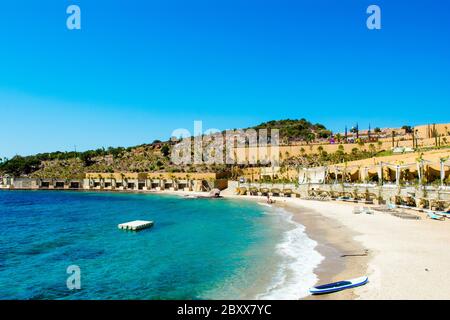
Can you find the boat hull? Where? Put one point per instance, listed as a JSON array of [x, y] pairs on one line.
[[339, 286]]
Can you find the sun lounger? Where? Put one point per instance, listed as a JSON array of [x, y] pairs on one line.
[[347, 199], [444, 214], [434, 216], [439, 213]]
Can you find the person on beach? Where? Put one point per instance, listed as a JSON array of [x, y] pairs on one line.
[[269, 201]]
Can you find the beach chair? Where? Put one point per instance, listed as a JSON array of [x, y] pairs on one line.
[[444, 214], [391, 206], [342, 198], [357, 210], [434, 216], [367, 210]]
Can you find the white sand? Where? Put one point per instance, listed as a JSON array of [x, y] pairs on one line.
[[402, 251]]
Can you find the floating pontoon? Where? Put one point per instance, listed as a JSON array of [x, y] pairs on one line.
[[135, 225]]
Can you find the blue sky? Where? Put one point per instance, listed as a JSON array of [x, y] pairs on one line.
[[140, 69]]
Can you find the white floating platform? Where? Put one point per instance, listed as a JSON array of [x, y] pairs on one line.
[[135, 225]]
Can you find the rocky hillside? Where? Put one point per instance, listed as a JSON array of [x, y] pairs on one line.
[[147, 158], [153, 157]]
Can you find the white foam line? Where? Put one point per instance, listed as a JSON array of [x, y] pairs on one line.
[[298, 261]]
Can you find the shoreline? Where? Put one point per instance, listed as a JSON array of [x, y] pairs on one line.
[[343, 256]]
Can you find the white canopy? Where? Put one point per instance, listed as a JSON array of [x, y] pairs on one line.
[[312, 175]]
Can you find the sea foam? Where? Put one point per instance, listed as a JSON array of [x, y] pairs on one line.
[[298, 259]]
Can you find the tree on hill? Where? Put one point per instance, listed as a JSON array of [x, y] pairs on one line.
[[18, 166], [294, 130], [165, 150], [86, 158], [408, 129]]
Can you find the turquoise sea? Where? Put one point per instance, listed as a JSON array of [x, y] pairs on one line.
[[197, 249]]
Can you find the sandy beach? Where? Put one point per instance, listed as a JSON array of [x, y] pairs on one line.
[[407, 259], [345, 258]]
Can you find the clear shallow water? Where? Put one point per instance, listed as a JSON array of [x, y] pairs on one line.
[[197, 249]]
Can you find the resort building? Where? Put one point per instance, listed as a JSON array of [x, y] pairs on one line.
[[6, 182], [255, 174], [155, 181], [428, 135], [405, 169], [39, 183], [124, 181], [412, 180]]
